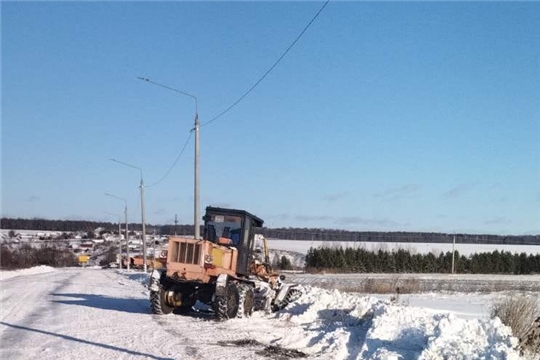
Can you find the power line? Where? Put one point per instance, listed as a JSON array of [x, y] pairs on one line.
[[174, 163], [269, 70], [241, 98]]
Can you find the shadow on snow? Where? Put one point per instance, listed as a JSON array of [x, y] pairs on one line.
[[67, 337], [133, 306]]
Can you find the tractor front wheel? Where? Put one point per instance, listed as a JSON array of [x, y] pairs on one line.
[[226, 306], [158, 302], [246, 301]]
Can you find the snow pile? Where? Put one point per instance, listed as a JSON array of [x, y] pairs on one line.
[[340, 326], [7, 274], [456, 338], [329, 324]]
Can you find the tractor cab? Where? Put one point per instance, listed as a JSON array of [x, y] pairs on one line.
[[234, 228]]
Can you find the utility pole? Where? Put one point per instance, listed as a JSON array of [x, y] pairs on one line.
[[175, 223], [143, 236], [196, 192], [127, 240], [119, 244], [143, 220], [196, 128], [127, 231], [119, 259], [154, 252], [453, 252]]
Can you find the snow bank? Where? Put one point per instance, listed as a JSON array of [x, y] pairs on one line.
[[342, 326], [31, 271], [329, 324]]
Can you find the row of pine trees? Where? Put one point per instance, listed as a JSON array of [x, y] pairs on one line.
[[402, 261]]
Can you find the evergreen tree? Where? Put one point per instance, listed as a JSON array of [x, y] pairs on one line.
[[285, 263]]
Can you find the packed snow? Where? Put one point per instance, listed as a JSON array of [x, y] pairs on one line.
[[93, 313]]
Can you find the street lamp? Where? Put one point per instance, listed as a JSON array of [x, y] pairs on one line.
[[119, 239], [142, 208], [196, 178], [127, 232]]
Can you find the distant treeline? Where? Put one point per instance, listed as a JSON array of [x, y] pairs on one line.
[[280, 233], [402, 261], [82, 225], [397, 236], [27, 256]]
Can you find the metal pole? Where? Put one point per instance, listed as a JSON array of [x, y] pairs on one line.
[[197, 169], [143, 226], [154, 248], [119, 259], [127, 239], [196, 199], [143, 221], [453, 252], [119, 243], [127, 231]]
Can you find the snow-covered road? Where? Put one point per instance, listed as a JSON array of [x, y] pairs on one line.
[[104, 314], [100, 314], [75, 314]]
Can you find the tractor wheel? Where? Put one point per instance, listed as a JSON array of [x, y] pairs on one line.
[[226, 307], [246, 301], [158, 302]]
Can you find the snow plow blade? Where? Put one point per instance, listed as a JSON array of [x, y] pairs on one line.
[[287, 294]]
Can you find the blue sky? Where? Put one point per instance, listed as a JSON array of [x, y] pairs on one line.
[[384, 116]]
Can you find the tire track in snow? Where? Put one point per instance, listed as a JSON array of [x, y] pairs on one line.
[[18, 308], [200, 338], [84, 328], [93, 304]]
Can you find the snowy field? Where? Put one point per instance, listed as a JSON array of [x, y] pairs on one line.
[[418, 248], [421, 282], [79, 313]]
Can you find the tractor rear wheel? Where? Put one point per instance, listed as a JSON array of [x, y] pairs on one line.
[[226, 306], [158, 302], [246, 301]]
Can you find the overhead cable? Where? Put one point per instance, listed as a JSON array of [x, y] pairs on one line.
[[174, 163], [269, 70]]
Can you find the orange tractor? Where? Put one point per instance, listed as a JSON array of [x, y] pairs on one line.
[[224, 270]]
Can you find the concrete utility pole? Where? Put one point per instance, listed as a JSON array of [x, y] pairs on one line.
[[154, 246], [196, 191], [119, 239], [143, 220], [196, 197], [127, 231], [127, 240], [119, 244], [453, 252], [175, 223]]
